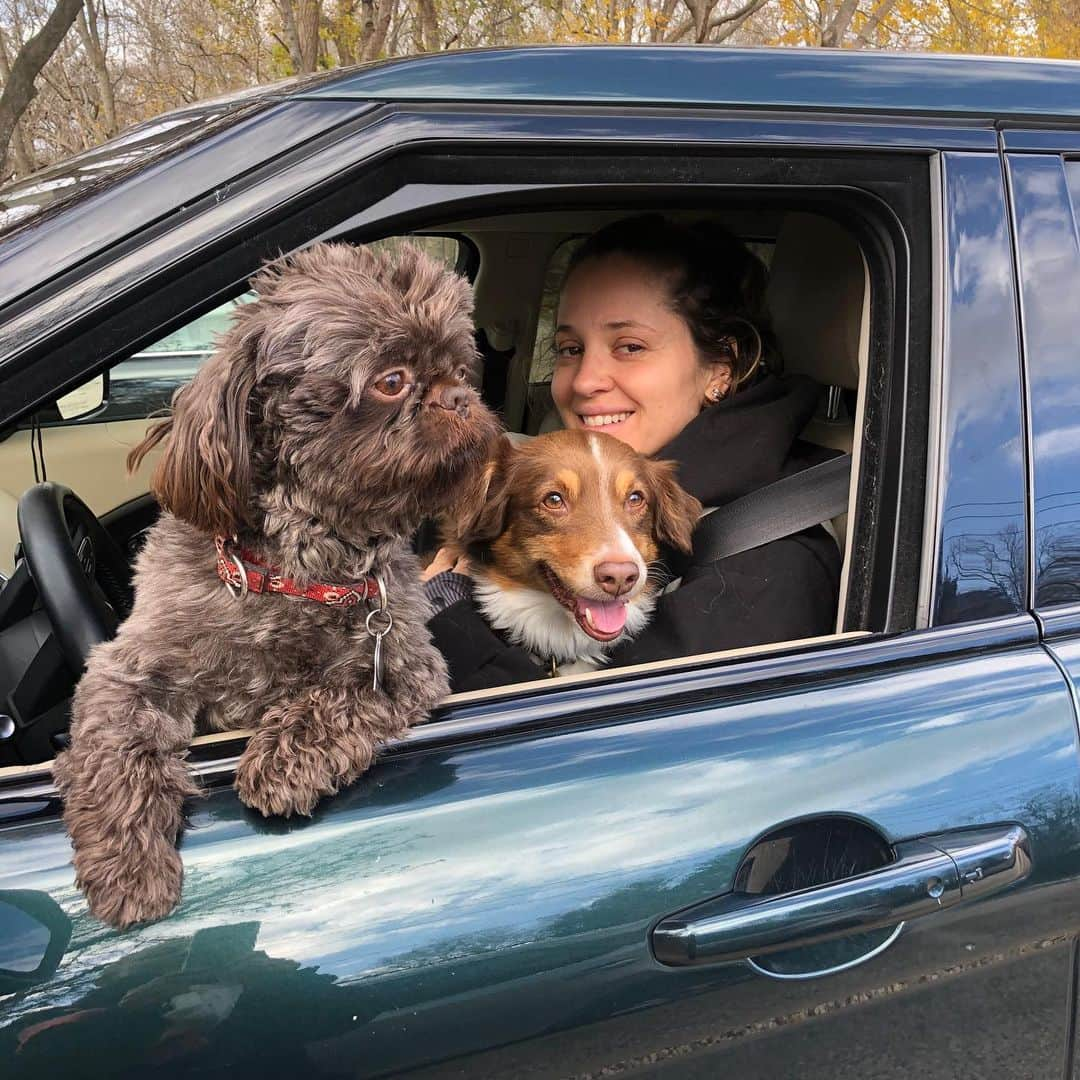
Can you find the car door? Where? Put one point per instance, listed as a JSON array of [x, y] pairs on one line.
[[634, 872], [488, 892]]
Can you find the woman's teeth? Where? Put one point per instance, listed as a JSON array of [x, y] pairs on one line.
[[606, 418]]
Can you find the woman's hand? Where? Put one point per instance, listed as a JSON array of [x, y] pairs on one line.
[[446, 558]]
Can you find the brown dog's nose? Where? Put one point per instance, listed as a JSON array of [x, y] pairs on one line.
[[615, 578], [452, 398]]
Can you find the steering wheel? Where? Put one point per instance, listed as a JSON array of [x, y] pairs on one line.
[[81, 573]]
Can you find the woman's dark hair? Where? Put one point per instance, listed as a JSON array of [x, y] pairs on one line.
[[718, 284]]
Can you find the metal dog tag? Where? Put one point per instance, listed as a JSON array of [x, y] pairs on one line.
[[378, 623]]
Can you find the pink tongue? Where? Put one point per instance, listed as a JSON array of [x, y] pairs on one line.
[[608, 616]]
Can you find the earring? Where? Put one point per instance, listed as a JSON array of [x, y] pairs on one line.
[[714, 394]]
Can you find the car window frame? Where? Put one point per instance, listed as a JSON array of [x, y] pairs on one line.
[[222, 273]]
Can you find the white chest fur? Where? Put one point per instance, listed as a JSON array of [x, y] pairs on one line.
[[537, 621]]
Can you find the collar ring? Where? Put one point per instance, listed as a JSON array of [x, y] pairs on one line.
[[241, 590]]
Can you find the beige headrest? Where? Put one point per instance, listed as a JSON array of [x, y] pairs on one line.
[[817, 291]]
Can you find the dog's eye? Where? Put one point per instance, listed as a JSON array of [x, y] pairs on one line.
[[462, 373], [553, 501], [635, 500], [392, 385]]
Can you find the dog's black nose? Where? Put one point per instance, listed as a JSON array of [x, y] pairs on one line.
[[615, 578], [453, 399]]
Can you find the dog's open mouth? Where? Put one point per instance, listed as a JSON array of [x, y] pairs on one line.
[[602, 620]]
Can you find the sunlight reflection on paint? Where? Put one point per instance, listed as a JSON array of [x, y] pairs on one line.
[[478, 851]]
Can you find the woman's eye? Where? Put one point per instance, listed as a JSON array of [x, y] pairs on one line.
[[568, 351], [635, 500], [631, 347], [392, 385], [553, 501]]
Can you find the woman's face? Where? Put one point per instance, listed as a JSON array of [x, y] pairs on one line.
[[625, 362]]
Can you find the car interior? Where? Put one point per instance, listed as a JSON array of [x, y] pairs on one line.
[[818, 296]]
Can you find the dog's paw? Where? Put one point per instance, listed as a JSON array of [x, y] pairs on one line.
[[280, 777], [124, 810], [130, 888]]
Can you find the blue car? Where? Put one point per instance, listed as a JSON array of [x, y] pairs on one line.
[[851, 856]]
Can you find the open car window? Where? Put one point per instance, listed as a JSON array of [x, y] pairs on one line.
[[824, 284]]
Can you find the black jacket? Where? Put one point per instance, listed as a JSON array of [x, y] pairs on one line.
[[780, 591]]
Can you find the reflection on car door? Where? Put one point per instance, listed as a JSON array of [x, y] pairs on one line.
[[473, 894]]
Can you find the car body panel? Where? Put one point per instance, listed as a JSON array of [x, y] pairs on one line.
[[1016, 138], [157, 185], [487, 893]]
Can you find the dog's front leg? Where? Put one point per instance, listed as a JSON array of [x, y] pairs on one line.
[[124, 783], [312, 747]]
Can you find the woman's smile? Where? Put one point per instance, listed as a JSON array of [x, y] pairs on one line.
[[605, 421]]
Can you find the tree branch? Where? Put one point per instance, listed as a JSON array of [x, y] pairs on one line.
[[31, 58], [833, 34], [880, 13]]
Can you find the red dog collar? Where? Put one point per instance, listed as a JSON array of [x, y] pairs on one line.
[[244, 572]]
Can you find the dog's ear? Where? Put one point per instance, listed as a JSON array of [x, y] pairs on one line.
[[483, 514], [677, 512], [204, 472]]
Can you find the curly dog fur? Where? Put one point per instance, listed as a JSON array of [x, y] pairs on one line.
[[293, 439]]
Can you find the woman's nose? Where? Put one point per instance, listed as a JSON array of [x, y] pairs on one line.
[[593, 374]]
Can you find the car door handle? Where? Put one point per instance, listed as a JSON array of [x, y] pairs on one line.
[[929, 874]]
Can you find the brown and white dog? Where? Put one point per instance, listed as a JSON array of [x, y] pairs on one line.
[[563, 545]]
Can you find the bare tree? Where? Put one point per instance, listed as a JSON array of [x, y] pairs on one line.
[[426, 28], [997, 561], [89, 29], [301, 22], [374, 27], [705, 23], [836, 28], [34, 54], [20, 149]]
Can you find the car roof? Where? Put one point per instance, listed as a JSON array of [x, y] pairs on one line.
[[769, 78]]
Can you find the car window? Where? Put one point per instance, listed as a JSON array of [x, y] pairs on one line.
[[144, 384], [1047, 199]]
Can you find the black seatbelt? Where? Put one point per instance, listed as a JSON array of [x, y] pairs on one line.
[[777, 510]]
